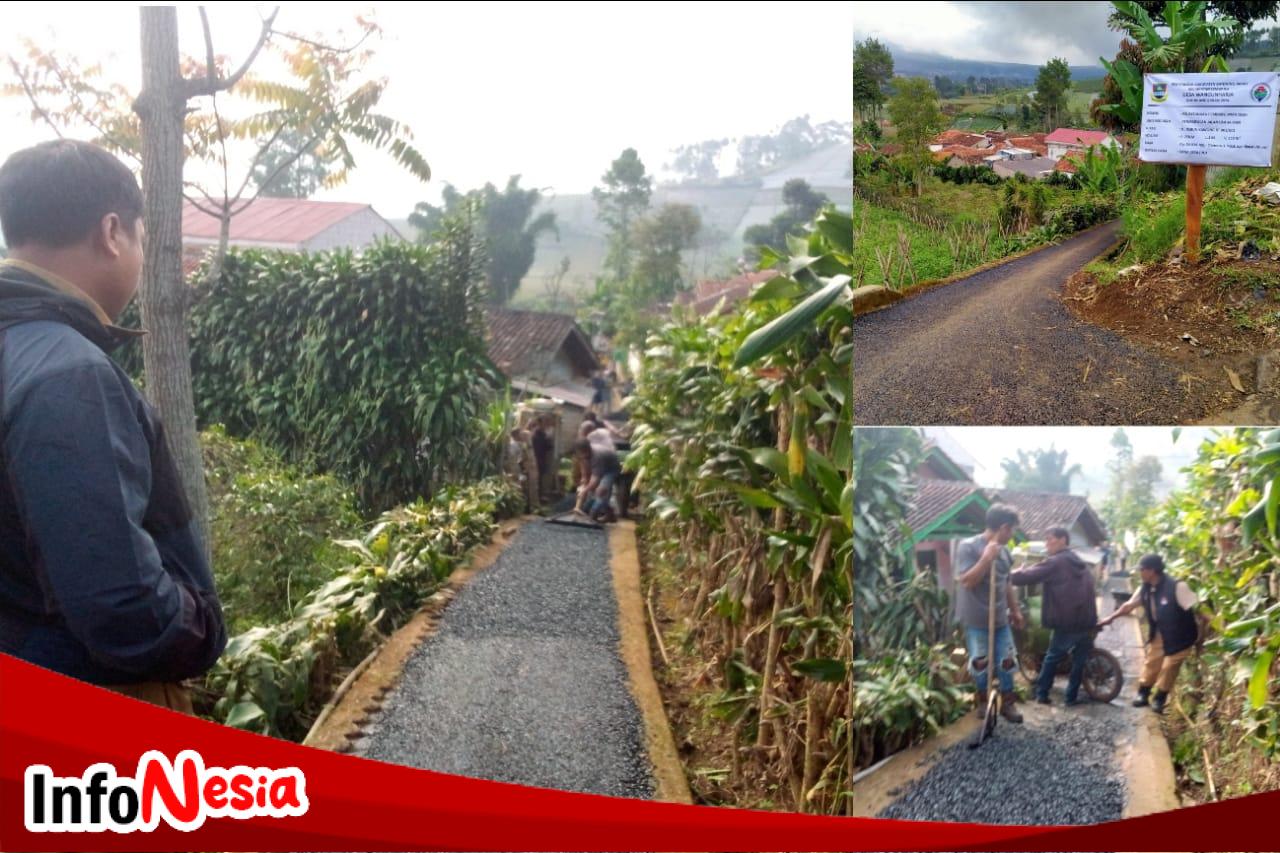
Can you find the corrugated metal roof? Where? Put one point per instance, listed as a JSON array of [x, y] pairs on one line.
[[280, 221]]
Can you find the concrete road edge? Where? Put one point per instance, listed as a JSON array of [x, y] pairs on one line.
[[670, 783]]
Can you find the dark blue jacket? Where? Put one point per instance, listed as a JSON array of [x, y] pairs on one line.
[[102, 576]]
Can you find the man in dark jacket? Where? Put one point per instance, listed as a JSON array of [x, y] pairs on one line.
[[1068, 606], [102, 577], [1174, 627]]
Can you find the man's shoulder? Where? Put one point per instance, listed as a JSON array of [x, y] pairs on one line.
[[41, 351]]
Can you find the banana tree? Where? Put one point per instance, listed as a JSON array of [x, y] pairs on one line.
[[1193, 39]]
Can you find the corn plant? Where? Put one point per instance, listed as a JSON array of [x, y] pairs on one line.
[[1229, 690], [743, 447]]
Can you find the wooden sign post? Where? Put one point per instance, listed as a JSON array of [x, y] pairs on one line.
[[1195, 203]]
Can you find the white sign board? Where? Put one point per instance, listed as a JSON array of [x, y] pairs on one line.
[[1214, 119]]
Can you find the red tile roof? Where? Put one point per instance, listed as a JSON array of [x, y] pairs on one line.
[[282, 221], [1038, 511], [524, 343], [705, 295], [1072, 136], [972, 156], [958, 137], [1035, 143]]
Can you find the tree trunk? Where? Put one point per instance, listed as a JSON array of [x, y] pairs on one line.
[[160, 107]]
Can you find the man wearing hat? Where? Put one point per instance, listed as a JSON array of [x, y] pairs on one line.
[[1173, 629]]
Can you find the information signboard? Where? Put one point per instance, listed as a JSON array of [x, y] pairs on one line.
[[1209, 119]]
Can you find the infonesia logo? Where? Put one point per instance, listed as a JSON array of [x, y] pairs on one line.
[[1261, 92], [184, 794]]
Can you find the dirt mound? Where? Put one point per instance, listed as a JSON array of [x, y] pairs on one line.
[[1214, 320]]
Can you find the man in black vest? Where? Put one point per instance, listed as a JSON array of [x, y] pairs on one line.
[[102, 576], [1173, 629]]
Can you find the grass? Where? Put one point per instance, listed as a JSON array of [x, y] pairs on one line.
[[877, 228], [977, 123]]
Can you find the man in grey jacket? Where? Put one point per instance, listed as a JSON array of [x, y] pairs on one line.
[[102, 577]]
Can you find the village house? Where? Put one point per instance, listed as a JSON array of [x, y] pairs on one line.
[[544, 354], [949, 506], [285, 224], [1067, 140]]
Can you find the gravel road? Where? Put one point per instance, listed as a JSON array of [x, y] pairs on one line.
[[523, 682], [1000, 347], [1057, 768]]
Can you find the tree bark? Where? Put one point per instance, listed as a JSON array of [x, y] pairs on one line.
[[163, 301]]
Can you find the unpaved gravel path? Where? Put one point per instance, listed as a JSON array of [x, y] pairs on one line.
[[1059, 767], [1000, 347], [523, 682]]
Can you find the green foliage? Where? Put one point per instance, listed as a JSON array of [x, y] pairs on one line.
[[746, 469], [907, 687], [292, 166], [274, 679], [802, 204], [1040, 471], [272, 528], [872, 71], [622, 197], [915, 113], [660, 240], [506, 221], [1053, 83], [370, 365], [1231, 688], [1153, 227], [1131, 493]]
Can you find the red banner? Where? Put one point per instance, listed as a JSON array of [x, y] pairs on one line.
[[82, 768]]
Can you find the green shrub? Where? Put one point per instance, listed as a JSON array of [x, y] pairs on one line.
[[370, 365], [273, 529], [1153, 229], [274, 679]]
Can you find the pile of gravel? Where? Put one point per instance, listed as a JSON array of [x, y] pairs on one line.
[[1059, 769], [523, 681]]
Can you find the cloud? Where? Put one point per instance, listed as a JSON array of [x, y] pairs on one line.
[[1005, 32]]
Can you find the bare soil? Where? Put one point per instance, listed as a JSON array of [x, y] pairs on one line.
[[1212, 320]]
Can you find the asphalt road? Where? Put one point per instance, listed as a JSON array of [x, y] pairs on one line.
[[523, 682], [1000, 347]]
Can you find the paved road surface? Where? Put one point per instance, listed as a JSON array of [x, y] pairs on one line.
[[523, 682], [1000, 347]]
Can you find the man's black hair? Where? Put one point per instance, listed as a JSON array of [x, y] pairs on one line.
[[1060, 533], [1154, 562], [54, 194], [999, 515]]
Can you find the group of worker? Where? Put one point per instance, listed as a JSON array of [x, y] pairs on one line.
[[1174, 624]]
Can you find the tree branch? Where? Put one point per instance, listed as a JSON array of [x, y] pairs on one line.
[[328, 47], [31, 96], [212, 84]]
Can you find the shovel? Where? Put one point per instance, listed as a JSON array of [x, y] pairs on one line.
[[993, 691]]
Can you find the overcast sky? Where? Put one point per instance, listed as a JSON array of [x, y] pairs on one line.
[[552, 91], [1088, 446], [999, 32]]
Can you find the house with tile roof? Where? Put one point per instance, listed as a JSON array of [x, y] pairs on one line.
[[544, 355], [1065, 140], [285, 224], [949, 506]]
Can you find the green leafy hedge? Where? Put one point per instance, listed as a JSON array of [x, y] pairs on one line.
[[371, 364], [274, 679]]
